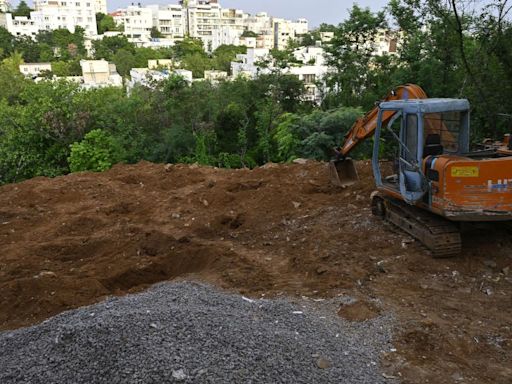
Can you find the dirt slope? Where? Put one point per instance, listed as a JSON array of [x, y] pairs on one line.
[[276, 230]]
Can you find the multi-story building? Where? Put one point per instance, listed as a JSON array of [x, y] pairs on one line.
[[234, 19], [203, 20], [100, 6], [147, 77], [386, 42], [99, 73], [249, 65], [118, 16], [231, 28], [68, 14], [35, 69], [310, 69], [265, 41], [19, 25], [261, 24], [169, 20], [4, 6], [286, 30], [95, 73], [138, 22], [208, 21]]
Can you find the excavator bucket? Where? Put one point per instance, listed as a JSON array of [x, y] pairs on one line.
[[343, 173]]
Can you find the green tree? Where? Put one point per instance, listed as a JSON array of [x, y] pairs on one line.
[[286, 139], [6, 43], [97, 152], [22, 9], [197, 63], [155, 33], [351, 55], [29, 49], [124, 61], [225, 54], [66, 68], [107, 47], [105, 23], [12, 82], [188, 46], [248, 33]]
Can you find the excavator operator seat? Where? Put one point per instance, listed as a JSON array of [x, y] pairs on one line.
[[433, 146]]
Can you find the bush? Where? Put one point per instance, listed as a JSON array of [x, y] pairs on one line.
[[97, 152]]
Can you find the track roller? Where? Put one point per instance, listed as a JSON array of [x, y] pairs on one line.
[[439, 235]]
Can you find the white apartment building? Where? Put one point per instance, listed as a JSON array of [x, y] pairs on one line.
[[34, 69], [169, 20], [265, 41], [118, 16], [249, 42], [231, 28], [101, 6], [247, 65], [310, 55], [225, 36], [311, 71], [150, 77], [310, 75], [55, 14], [99, 73], [203, 20], [161, 63], [207, 20], [95, 73], [286, 30], [138, 22], [19, 25], [4, 6], [215, 76], [233, 18], [386, 42], [261, 24]]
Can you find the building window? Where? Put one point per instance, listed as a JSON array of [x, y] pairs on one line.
[[309, 79], [77, 4]]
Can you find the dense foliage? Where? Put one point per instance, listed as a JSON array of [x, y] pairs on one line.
[[51, 128]]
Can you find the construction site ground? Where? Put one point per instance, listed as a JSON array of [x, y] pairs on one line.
[[272, 231]]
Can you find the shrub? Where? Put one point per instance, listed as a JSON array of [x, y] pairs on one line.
[[97, 152]]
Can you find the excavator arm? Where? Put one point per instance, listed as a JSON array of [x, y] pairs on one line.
[[342, 170], [365, 126]]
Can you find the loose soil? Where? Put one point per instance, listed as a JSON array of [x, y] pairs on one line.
[[276, 230]]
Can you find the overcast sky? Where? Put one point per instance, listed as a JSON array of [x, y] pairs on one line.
[[316, 11]]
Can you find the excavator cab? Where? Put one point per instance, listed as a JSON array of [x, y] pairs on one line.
[[342, 170], [423, 128]]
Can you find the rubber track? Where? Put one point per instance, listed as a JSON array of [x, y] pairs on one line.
[[439, 235]]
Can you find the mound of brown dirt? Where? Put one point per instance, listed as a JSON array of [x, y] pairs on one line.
[[71, 241]]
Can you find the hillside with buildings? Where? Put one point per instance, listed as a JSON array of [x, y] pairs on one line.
[[260, 37], [204, 19], [187, 141]]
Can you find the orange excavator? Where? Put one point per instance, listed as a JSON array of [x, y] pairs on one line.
[[434, 181]]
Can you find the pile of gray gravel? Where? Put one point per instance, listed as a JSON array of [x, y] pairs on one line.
[[193, 333]]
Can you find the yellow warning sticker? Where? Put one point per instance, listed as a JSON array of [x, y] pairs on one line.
[[465, 172]]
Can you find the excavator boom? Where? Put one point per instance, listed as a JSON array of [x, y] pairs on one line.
[[342, 170]]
